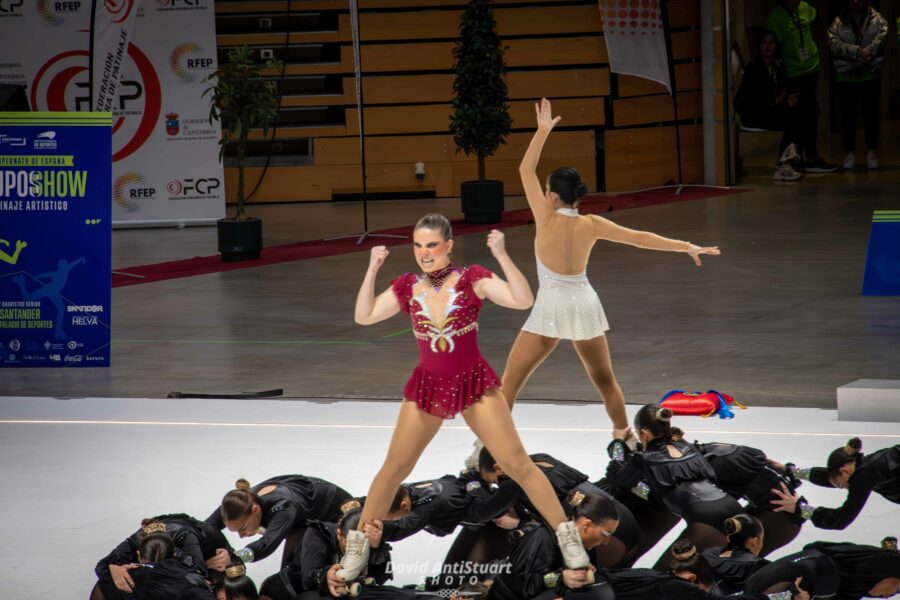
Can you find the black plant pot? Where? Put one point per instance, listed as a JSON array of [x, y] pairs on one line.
[[239, 240], [482, 201]]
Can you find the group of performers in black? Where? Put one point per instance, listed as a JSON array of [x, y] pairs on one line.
[[738, 505], [529, 526]]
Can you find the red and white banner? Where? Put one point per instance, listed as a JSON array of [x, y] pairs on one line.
[[166, 167], [111, 29], [635, 39]]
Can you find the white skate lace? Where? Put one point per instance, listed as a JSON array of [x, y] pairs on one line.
[[355, 550], [570, 544]]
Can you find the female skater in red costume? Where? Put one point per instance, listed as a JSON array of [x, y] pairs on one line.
[[452, 377]]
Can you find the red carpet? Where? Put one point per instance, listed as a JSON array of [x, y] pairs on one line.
[[201, 265]]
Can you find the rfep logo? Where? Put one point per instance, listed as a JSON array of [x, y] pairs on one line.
[[130, 190], [193, 187], [188, 62], [54, 11], [62, 85], [119, 10]]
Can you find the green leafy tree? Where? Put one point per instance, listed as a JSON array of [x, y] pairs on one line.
[[480, 121], [241, 100]]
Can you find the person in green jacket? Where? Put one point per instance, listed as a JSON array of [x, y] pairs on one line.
[[791, 21]]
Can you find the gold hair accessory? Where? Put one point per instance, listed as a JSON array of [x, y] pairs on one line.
[[152, 528], [737, 526], [350, 505], [235, 571], [577, 499], [659, 415], [850, 450], [889, 543], [685, 555]]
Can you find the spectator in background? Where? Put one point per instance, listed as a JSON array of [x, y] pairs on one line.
[[856, 38], [791, 22], [763, 102]]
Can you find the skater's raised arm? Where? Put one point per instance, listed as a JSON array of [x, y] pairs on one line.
[[607, 230], [369, 308], [512, 293], [541, 207]]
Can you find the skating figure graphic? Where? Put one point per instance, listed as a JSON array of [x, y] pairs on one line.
[[51, 290]]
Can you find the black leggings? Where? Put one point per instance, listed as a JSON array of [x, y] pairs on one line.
[[853, 95], [598, 591], [817, 572], [705, 520], [780, 530]]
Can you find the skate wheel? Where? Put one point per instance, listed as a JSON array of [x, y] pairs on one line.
[[355, 589], [369, 581], [590, 577]]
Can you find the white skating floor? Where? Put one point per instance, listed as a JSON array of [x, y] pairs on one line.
[[79, 474]]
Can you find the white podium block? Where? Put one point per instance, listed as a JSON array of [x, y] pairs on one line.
[[869, 400]]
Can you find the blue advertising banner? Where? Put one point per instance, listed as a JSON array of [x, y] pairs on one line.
[[882, 274], [55, 239]]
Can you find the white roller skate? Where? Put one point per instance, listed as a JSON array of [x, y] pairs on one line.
[[356, 557], [571, 546], [472, 460]]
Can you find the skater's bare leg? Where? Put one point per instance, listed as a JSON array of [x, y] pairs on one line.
[[527, 353], [414, 430], [492, 422], [594, 354]]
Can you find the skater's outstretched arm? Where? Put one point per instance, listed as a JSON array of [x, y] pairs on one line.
[[512, 293], [607, 230], [541, 207], [369, 309]]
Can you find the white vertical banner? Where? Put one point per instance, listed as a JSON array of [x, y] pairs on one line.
[[169, 172], [636, 39], [111, 25], [166, 167]]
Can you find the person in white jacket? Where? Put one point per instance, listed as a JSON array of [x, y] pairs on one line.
[[856, 39]]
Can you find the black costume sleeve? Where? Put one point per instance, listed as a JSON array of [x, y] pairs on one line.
[[379, 559], [861, 484], [625, 475], [819, 476], [123, 554], [190, 545], [414, 522], [215, 519], [531, 560], [485, 505], [315, 560], [278, 528]]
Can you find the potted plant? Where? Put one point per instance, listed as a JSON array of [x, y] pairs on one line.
[[241, 100], [480, 121]]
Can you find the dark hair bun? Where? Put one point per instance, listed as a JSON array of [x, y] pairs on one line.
[[664, 414], [732, 526], [580, 190], [854, 444], [683, 550], [242, 485], [676, 434]]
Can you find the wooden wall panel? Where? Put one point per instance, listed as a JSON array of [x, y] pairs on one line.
[[435, 118], [654, 109], [646, 157], [685, 44], [687, 77], [270, 6], [540, 52], [566, 83], [438, 56], [441, 148], [683, 13], [444, 24]]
